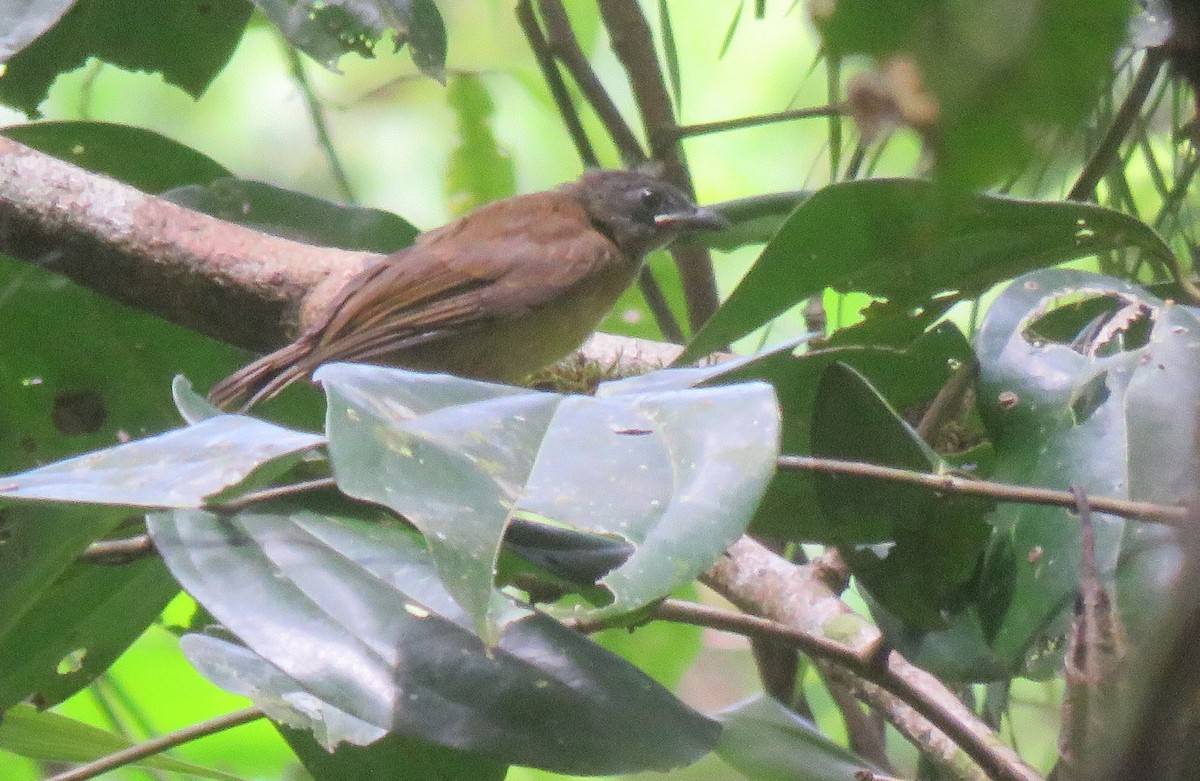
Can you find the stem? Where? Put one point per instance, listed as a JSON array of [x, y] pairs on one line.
[[316, 115], [1168, 515], [720, 126], [160, 744]]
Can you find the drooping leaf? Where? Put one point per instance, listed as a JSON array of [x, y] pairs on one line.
[[766, 742], [460, 459], [132, 35], [352, 611], [297, 216], [915, 245], [325, 30]]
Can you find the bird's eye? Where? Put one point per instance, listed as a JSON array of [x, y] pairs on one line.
[[650, 198]]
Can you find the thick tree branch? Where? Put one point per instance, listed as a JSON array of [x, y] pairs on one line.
[[229, 282]]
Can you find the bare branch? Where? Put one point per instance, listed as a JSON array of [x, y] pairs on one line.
[[223, 280]]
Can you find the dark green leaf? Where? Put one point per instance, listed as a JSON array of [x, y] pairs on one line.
[[933, 543], [764, 741], [294, 215], [890, 349], [1098, 407], [395, 757], [327, 29], [52, 737], [752, 220], [915, 245], [142, 158], [61, 642], [352, 612], [133, 35]]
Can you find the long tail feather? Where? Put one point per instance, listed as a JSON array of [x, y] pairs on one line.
[[261, 379]]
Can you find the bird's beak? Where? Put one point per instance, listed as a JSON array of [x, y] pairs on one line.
[[698, 219]]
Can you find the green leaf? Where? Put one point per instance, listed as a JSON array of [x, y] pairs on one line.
[[913, 244], [350, 611], [890, 348], [327, 29], [147, 160], [183, 468], [1095, 405], [295, 215], [459, 459], [479, 169], [61, 641], [51, 737], [395, 757], [133, 35], [764, 741], [933, 543], [992, 71]]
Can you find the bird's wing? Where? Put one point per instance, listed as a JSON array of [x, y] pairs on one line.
[[500, 261]]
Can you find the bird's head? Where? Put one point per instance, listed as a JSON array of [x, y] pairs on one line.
[[640, 212]]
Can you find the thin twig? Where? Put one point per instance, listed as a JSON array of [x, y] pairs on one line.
[[916, 688], [274, 492], [633, 43], [120, 551], [554, 80], [948, 401], [560, 42], [703, 128], [160, 744], [1169, 515], [566, 48], [1106, 151], [316, 115]]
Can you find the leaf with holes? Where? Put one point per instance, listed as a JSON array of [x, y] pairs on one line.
[[1084, 380]]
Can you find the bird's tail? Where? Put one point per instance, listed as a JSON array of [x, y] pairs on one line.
[[262, 379]]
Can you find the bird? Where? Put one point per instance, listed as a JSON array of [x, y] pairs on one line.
[[495, 295]]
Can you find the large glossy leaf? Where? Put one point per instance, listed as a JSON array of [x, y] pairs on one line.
[[766, 742], [147, 160], [327, 29], [183, 468], [353, 612], [932, 543], [893, 351], [295, 215], [677, 474], [133, 35], [910, 242], [52, 737], [1089, 381]]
